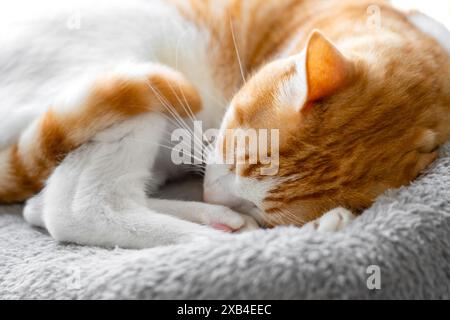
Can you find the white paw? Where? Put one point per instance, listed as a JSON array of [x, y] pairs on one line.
[[250, 224], [33, 211], [334, 220], [227, 220], [222, 218]]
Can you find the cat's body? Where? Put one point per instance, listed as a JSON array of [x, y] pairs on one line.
[[102, 76], [56, 56]]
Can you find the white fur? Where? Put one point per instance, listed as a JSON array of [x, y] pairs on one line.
[[240, 193], [332, 221], [433, 28], [294, 92], [97, 196], [42, 60]]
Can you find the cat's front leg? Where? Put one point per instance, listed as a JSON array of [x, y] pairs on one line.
[[218, 217], [334, 220], [96, 196]]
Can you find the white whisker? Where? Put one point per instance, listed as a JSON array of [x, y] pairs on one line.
[[237, 50], [165, 147]]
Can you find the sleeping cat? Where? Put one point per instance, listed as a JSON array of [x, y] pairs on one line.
[[87, 108]]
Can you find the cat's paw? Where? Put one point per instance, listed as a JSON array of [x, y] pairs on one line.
[[227, 220], [222, 218], [33, 211], [250, 225], [332, 221]]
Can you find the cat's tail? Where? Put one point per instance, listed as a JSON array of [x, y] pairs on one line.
[[25, 165]]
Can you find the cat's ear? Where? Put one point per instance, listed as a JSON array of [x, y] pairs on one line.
[[327, 70]]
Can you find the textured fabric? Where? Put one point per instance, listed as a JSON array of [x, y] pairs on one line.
[[406, 234]]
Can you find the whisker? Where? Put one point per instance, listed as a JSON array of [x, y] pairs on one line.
[[182, 123], [283, 215], [189, 112], [185, 103], [237, 50], [175, 115], [165, 147]]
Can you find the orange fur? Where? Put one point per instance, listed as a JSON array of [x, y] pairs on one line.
[[374, 119]]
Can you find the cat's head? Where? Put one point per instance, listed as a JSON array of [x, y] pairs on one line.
[[349, 129]]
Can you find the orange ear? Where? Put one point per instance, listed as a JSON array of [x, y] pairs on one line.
[[327, 70]]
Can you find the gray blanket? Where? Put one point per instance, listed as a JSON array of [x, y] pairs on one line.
[[399, 248]]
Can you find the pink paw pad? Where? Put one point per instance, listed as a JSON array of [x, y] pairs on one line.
[[222, 227]]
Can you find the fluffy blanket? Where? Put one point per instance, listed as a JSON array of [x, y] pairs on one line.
[[399, 248]]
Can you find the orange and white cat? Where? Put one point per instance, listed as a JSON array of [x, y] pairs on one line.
[[86, 109]]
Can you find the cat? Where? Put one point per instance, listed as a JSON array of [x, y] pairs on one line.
[[360, 107]]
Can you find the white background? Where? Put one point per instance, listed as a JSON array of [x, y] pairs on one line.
[[438, 9], [19, 10]]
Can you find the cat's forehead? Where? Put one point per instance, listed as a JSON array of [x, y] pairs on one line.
[[267, 80], [280, 84]]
